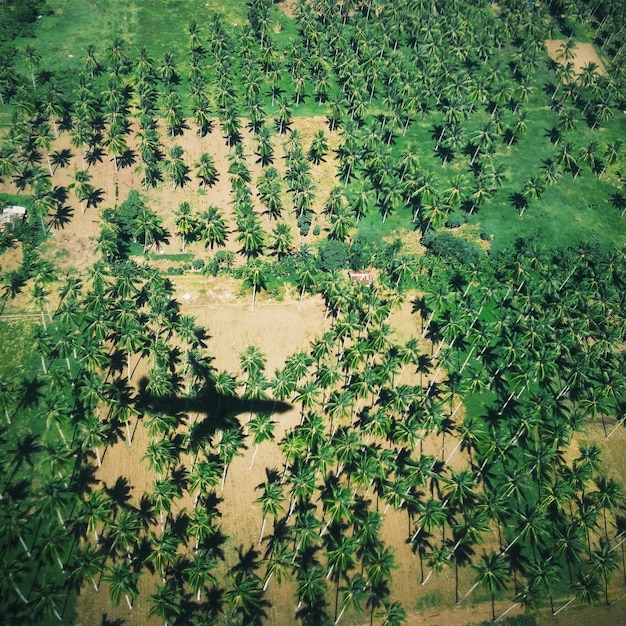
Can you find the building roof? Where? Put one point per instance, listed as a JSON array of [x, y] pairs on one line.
[[11, 213]]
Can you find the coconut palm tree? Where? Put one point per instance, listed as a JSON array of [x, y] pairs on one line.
[[261, 427], [177, 168], [603, 560], [245, 598], [48, 600], [271, 499], [33, 60], [250, 235], [609, 496], [281, 240], [186, 223], [212, 228], [166, 601], [493, 573], [255, 274], [353, 593], [147, 225], [122, 581], [230, 445], [206, 171]]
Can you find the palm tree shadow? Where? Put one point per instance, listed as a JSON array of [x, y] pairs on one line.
[[111, 622], [215, 411]]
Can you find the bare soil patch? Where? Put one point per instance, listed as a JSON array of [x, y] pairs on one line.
[[287, 7], [585, 53], [73, 246]]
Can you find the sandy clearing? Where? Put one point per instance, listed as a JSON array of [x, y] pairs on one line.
[[584, 53], [287, 7], [73, 246]]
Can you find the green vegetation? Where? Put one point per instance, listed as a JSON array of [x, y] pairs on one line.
[[17, 19], [452, 133]]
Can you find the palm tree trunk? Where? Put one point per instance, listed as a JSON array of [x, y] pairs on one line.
[[129, 439], [256, 449], [23, 544], [565, 605], [17, 589], [343, 609], [224, 475]]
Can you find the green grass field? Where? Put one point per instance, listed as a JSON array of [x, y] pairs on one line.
[[160, 25]]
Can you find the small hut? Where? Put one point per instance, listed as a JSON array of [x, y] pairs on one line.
[[365, 277], [11, 214]]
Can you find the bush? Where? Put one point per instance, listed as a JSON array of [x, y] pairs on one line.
[[386, 253], [362, 252], [456, 219], [211, 268], [316, 230], [17, 18], [333, 255], [304, 223], [197, 264], [445, 245]]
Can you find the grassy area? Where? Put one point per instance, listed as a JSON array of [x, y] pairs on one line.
[[160, 25], [17, 352]]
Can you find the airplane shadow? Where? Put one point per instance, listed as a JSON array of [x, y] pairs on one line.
[[213, 411]]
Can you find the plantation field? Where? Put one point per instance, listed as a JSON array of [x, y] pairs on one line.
[[317, 313]]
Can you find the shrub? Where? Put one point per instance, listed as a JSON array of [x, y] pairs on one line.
[[211, 268], [197, 264], [333, 255], [362, 252], [304, 223], [456, 219], [445, 245]]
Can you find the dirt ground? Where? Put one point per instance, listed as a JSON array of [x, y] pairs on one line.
[[73, 245], [585, 53], [287, 7]]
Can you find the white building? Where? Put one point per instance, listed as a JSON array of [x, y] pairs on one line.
[[10, 214]]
